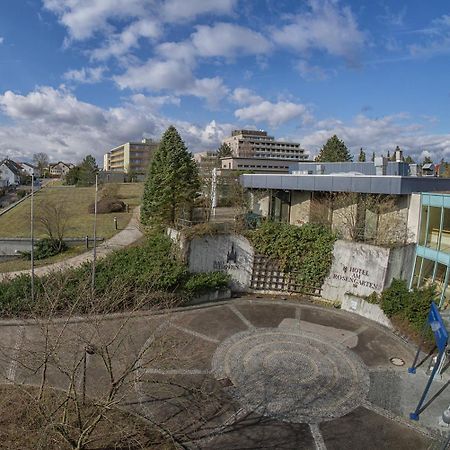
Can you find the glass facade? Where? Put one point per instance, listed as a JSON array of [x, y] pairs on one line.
[[432, 264]]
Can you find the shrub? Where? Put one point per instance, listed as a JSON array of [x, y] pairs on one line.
[[201, 283], [45, 248], [21, 193], [307, 250], [398, 301], [107, 205]]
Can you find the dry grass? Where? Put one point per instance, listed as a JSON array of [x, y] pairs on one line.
[[22, 425], [16, 223]]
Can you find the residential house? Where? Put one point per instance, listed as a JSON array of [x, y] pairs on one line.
[[59, 169], [10, 173]]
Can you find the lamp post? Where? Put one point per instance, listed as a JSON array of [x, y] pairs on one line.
[[95, 237], [32, 236]]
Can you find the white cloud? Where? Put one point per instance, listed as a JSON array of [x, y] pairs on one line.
[[228, 40], [2, 39], [435, 40], [119, 44], [311, 72], [85, 18], [380, 135], [245, 96], [86, 75], [327, 27], [172, 75], [273, 113], [258, 109], [184, 10], [56, 122]]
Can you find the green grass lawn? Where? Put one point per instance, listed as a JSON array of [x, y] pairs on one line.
[[16, 223]]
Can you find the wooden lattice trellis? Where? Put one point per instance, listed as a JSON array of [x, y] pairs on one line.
[[268, 276]]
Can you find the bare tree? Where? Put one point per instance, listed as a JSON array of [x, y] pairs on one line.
[[373, 218], [53, 218], [41, 161]]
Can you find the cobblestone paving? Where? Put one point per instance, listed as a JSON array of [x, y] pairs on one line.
[[291, 375]]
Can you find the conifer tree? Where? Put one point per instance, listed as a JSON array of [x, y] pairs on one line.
[[373, 156], [362, 155], [224, 150], [334, 151], [172, 181]]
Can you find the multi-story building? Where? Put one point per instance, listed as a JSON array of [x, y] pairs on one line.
[[255, 151], [131, 157], [257, 144], [59, 169], [10, 173], [432, 263]]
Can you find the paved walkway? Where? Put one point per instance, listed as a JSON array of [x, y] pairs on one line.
[[120, 240], [245, 374]]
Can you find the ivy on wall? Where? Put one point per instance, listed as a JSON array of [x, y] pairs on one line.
[[306, 251]]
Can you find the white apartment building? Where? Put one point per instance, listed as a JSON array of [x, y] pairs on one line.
[[131, 157], [258, 144]]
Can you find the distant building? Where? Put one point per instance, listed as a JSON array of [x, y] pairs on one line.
[[131, 157], [263, 165], [30, 169], [206, 162], [257, 144], [10, 173], [257, 152], [59, 169]]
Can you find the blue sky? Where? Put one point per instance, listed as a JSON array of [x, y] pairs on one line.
[[82, 76]]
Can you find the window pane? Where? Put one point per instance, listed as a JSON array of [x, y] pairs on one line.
[[433, 227], [445, 240], [423, 225]]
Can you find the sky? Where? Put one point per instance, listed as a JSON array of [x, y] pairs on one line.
[[80, 77]]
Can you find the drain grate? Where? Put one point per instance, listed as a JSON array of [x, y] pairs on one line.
[[397, 361]]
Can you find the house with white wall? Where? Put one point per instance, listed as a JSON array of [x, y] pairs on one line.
[[10, 173]]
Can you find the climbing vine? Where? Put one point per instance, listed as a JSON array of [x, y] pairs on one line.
[[306, 251]]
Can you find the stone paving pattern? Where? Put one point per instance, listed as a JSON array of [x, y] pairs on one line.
[[253, 373]]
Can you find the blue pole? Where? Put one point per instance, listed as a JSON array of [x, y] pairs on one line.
[[412, 369], [415, 415]]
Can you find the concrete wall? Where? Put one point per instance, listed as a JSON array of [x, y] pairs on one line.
[[358, 269], [229, 253], [260, 205], [300, 207], [365, 309], [413, 218], [401, 262]]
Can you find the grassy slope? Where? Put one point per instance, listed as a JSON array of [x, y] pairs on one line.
[[16, 223]]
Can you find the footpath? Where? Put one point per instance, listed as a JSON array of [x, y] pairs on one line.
[[120, 240]]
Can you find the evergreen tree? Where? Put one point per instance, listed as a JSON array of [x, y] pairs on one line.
[[334, 151], [172, 181], [427, 160], [87, 171], [362, 155], [409, 160], [373, 156], [388, 155], [224, 150]]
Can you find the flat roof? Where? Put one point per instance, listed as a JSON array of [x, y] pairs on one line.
[[369, 184]]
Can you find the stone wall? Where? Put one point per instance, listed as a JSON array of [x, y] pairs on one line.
[[360, 269], [300, 207], [229, 253], [357, 269]]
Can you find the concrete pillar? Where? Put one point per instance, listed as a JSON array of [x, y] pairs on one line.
[[300, 207]]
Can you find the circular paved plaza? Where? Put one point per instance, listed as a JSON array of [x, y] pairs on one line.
[[265, 373], [291, 375], [249, 373]]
